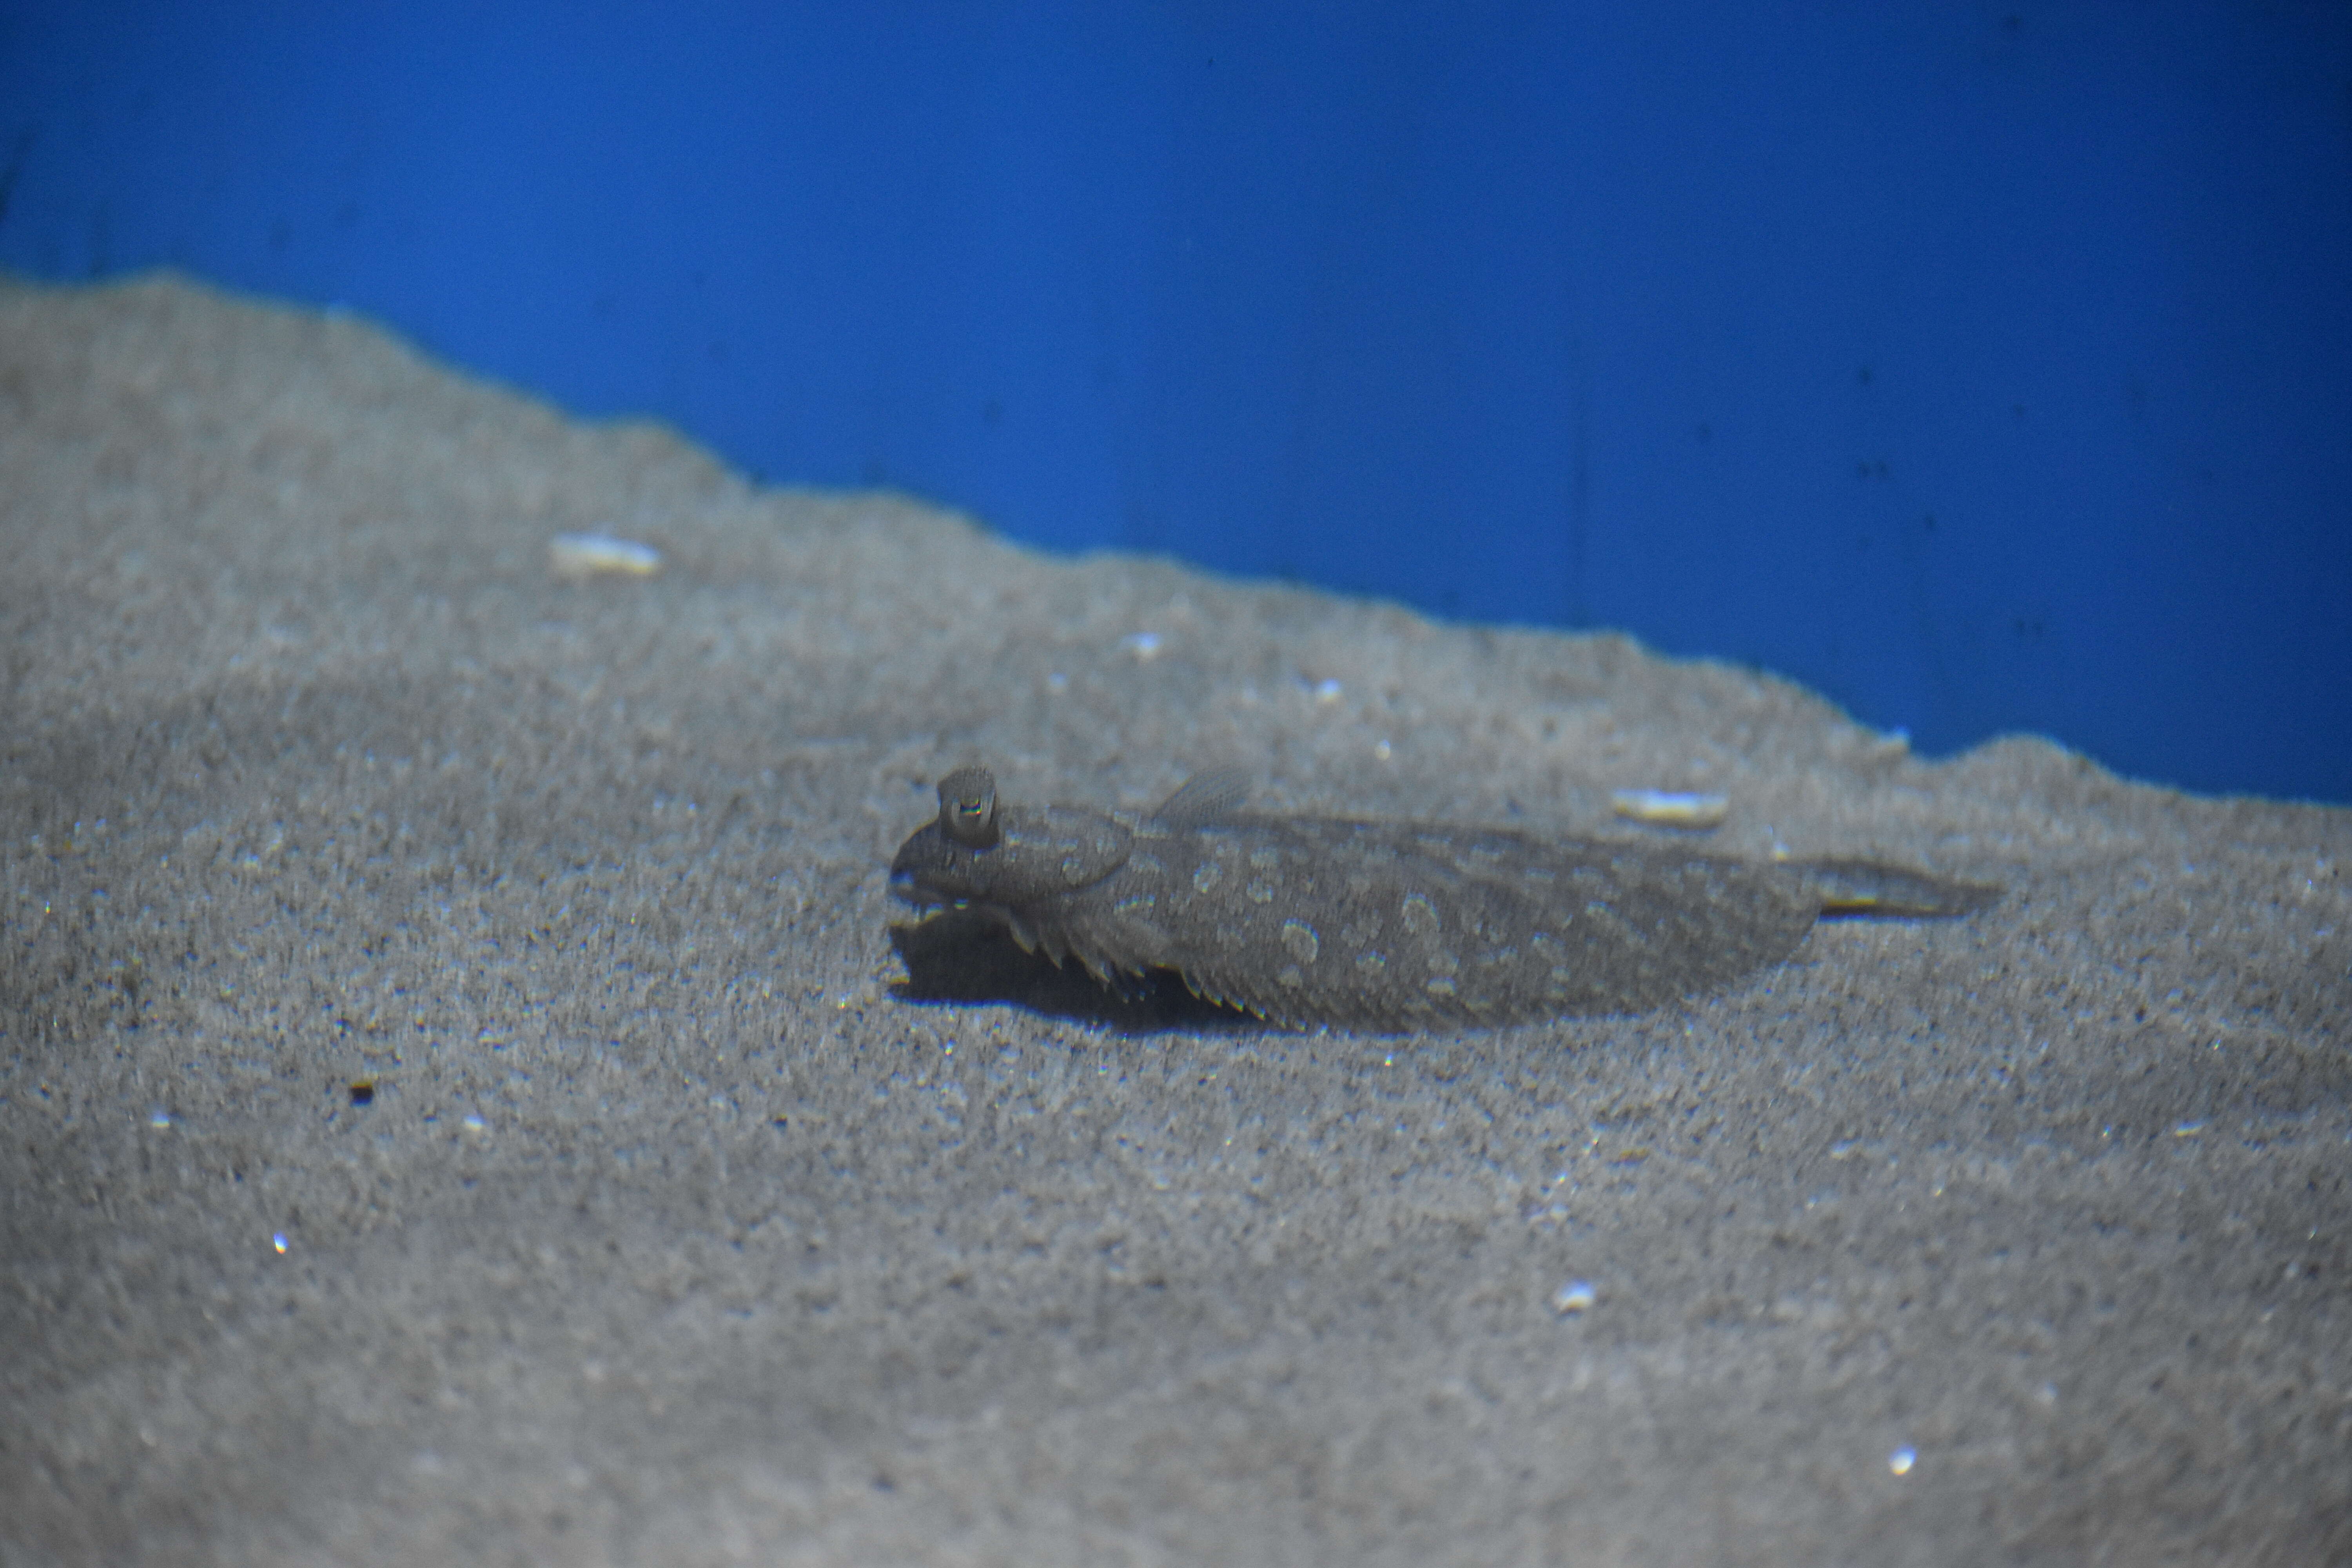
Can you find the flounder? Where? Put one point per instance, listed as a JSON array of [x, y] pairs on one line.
[[1377, 925]]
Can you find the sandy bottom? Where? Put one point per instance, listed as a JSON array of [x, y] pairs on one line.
[[459, 1100]]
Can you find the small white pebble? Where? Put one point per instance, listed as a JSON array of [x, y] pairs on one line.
[[601, 555], [1144, 644], [474, 1124], [159, 1117], [277, 1240], [1902, 1459], [1576, 1296], [1383, 751], [2188, 1129], [1328, 690], [1669, 809]]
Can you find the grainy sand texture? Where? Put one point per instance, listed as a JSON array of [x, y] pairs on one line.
[[459, 1100]]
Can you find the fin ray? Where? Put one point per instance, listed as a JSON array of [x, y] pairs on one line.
[[1207, 796]]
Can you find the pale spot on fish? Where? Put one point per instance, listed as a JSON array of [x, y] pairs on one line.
[[1440, 985], [1288, 974], [1265, 859], [1206, 875], [1420, 915], [1299, 940], [1371, 962], [1261, 892]]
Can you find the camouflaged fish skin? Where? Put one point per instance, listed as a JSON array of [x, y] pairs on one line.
[[1379, 926]]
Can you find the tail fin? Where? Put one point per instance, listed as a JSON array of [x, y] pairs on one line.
[[1865, 888]]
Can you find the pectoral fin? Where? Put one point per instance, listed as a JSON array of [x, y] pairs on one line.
[[1206, 797]]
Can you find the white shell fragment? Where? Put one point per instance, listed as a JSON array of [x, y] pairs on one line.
[[1668, 808], [576, 555], [1576, 1296]]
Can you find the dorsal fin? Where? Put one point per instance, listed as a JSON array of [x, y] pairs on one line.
[[1203, 798]]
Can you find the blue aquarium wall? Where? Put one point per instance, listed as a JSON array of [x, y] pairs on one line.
[[1986, 367]]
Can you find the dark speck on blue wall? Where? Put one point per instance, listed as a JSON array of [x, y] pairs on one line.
[[1986, 367]]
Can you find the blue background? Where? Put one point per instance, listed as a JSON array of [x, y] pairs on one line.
[[1986, 367]]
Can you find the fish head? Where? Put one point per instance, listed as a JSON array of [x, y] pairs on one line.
[[979, 852]]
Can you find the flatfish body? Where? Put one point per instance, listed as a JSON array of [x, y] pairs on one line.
[[1379, 925]]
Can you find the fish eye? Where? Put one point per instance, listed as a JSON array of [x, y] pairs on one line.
[[968, 807]]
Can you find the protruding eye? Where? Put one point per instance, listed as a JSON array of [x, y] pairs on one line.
[[968, 806]]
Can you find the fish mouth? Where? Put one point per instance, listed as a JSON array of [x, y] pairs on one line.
[[927, 903]]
